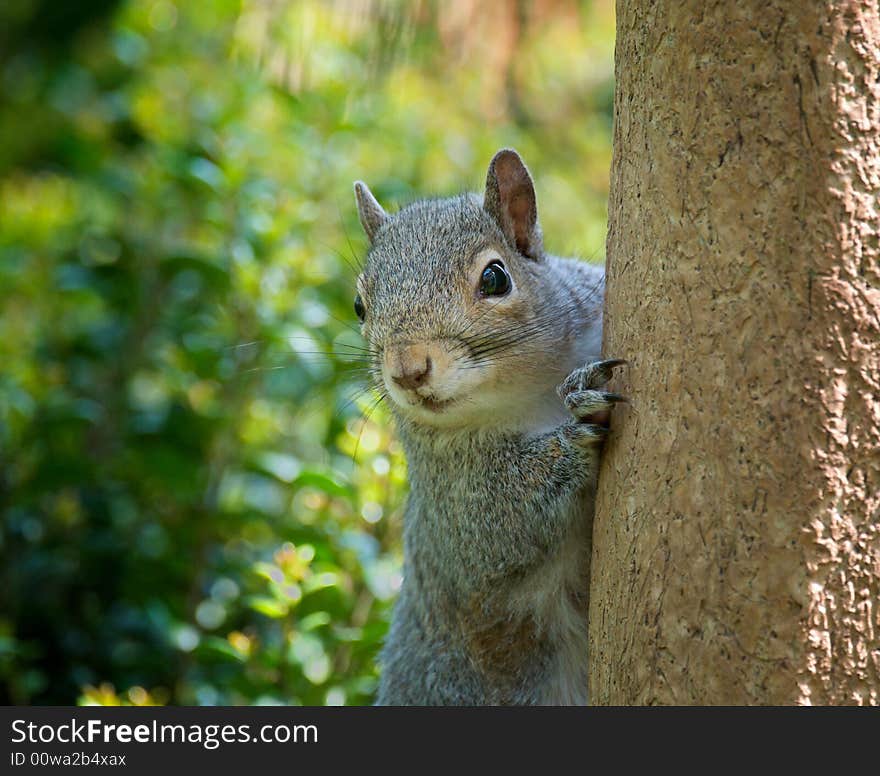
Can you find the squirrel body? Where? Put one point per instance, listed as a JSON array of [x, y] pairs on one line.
[[487, 349]]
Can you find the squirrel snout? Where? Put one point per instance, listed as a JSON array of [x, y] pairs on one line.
[[409, 366], [411, 373]]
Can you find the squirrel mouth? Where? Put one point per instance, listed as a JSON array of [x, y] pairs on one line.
[[435, 405]]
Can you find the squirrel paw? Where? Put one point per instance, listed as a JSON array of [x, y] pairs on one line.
[[578, 392], [585, 405], [586, 435], [588, 377]]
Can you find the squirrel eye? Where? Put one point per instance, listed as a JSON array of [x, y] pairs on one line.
[[494, 281], [359, 310]]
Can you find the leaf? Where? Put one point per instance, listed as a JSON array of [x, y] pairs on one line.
[[221, 647], [314, 620], [271, 607], [323, 483]]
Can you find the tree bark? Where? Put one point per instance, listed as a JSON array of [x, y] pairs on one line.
[[737, 536]]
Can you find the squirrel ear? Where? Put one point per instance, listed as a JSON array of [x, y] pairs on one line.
[[370, 211], [510, 200]]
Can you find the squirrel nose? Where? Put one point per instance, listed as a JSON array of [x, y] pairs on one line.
[[413, 374]]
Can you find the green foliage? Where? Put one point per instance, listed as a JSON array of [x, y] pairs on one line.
[[194, 509]]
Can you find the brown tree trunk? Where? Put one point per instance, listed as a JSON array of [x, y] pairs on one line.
[[737, 533]]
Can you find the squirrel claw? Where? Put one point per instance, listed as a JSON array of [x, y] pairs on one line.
[[610, 363], [584, 405], [589, 377], [588, 434]]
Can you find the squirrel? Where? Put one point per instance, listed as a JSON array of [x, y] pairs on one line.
[[487, 350]]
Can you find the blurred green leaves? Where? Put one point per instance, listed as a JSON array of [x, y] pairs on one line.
[[194, 509]]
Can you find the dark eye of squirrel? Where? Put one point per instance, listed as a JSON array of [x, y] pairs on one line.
[[359, 310], [494, 281]]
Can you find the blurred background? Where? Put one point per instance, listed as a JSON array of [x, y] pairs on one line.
[[200, 503]]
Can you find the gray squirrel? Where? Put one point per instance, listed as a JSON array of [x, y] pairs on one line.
[[486, 349]]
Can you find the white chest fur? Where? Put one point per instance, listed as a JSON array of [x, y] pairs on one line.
[[555, 597]]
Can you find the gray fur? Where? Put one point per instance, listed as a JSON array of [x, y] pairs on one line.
[[493, 608]]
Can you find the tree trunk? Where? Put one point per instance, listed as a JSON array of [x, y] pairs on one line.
[[737, 534]]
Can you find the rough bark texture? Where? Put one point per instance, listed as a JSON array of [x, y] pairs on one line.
[[737, 536]]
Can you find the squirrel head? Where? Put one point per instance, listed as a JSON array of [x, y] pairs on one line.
[[456, 302]]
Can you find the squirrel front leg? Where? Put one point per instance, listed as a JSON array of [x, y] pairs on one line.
[[552, 471]]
